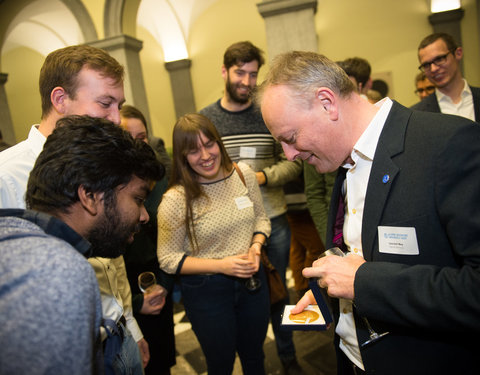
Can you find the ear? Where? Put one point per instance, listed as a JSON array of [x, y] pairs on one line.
[[327, 99], [91, 202], [224, 73], [58, 97], [458, 54]]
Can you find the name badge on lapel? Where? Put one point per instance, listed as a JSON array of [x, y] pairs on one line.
[[243, 202], [397, 240]]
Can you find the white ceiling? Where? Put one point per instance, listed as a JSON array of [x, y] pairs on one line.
[[169, 22], [46, 25]]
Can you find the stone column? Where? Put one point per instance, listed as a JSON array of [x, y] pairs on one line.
[[290, 25], [181, 83], [126, 50], [448, 22], [6, 124]]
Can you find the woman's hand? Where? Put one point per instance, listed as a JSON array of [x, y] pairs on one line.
[[254, 254], [238, 266]]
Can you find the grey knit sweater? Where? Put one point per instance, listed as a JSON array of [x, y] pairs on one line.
[[50, 308]]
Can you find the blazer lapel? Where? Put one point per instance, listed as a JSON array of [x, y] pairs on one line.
[[431, 103], [476, 102], [382, 175]]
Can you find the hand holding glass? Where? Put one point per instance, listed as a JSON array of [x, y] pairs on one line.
[[253, 283], [146, 280], [374, 336]]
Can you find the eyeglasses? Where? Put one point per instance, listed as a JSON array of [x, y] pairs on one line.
[[438, 61], [428, 90]]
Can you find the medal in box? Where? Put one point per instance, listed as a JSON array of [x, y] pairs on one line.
[[313, 317]]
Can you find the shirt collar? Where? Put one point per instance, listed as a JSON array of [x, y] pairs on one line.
[[36, 139], [467, 91], [367, 143], [54, 227]]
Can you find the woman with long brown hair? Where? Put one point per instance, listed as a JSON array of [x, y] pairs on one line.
[[212, 226]]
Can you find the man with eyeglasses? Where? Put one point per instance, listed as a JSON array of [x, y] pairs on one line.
[[423, 86], [440, 57]]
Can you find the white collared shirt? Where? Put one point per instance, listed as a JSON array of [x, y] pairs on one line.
[[16, 163], [463, 108], [356, 188]]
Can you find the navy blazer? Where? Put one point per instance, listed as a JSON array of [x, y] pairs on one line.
[[430, 103], [430, 302]]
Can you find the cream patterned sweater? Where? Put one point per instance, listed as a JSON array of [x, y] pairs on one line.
[[224, 220]]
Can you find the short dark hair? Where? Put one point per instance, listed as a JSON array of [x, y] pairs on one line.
[[129, 111], [90, 152], [357, 67], [62, 66], [447, 38], [242, 52]]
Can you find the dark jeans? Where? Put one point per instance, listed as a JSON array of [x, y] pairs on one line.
[[278, 251], [227, 318]]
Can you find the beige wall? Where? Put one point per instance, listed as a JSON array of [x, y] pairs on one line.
[[23, 68], [386, 32]]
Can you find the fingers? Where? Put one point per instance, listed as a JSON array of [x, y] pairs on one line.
[[309, 272], [307, 299]]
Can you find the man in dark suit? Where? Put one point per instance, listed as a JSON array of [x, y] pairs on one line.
[[411, 218], [439, 57]]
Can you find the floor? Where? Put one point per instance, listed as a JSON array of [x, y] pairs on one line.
[[315, 351]]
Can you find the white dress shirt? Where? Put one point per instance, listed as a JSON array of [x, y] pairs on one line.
[[16, 163], [355, 187], [463, 108]]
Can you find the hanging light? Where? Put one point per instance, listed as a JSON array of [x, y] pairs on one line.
[[437, 6]]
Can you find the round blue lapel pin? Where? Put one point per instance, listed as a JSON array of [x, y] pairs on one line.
[[385, 178]]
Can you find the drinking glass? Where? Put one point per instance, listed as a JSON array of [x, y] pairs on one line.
[[146, 280], [374, 336], [253, 283]]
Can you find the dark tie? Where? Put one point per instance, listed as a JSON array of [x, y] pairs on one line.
[[338, 226]]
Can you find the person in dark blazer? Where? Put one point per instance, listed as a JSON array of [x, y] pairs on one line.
[[411, 218], [440, 58]]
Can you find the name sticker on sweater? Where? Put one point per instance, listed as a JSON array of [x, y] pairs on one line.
[[398, 240], [248, 152], [243, 202]]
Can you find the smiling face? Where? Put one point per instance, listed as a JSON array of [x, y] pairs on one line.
[[96, 96], [206, 160], [305, 131], [240, 81], [441, 75], [121, 219]]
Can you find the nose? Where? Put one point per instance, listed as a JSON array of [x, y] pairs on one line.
[[290, 152], [204, 154], [433, 67], [114, 116], [144, 217], [246, 80]]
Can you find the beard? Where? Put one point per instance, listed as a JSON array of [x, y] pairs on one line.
[[109, 237], [232, 92]]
